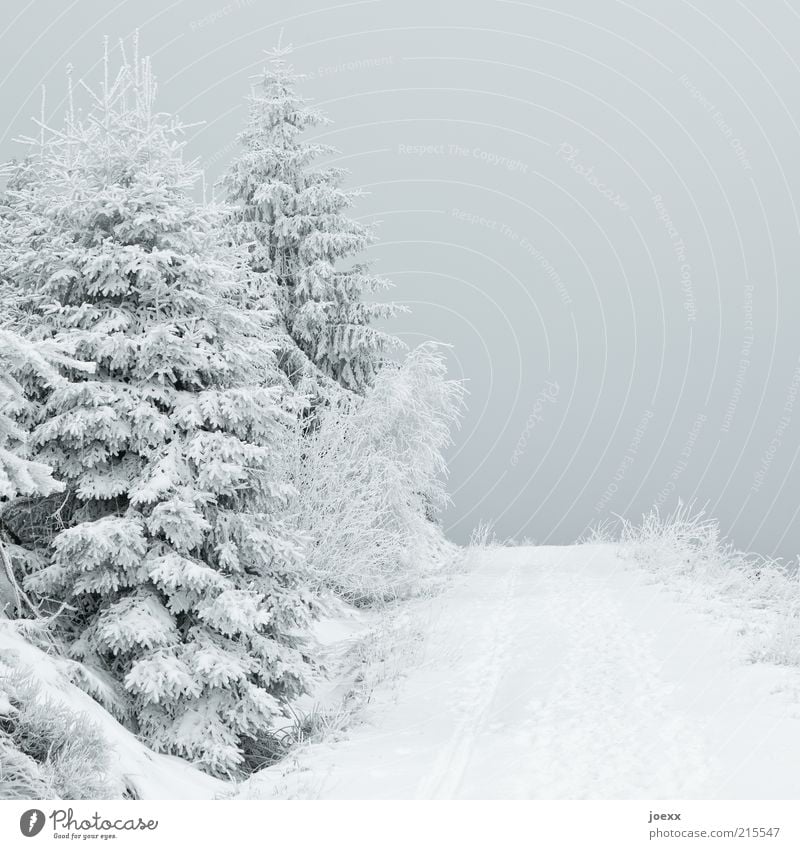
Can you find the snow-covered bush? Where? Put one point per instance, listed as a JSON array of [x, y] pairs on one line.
[[183, 579], [290, 214], [370, 478], [686, 551]]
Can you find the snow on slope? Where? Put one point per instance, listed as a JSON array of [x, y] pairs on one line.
[[152, 775], [565, 673]]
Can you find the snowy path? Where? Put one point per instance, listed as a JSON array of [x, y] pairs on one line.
[[565, 673]]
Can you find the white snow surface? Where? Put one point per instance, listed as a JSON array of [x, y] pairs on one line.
[[564, 673]]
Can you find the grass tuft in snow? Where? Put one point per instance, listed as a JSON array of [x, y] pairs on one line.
[[685, 550], [483, 535]]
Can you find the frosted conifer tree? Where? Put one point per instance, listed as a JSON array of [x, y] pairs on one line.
[[291, 215], [183, 578]]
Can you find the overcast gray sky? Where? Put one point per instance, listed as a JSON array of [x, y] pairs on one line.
[[594, 202]]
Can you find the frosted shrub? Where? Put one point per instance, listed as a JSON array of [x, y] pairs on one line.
[[370, 478]]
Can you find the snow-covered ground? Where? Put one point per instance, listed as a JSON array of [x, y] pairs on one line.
[[564, 673]]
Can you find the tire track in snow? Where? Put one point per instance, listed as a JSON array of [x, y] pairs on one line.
[[443, 781]]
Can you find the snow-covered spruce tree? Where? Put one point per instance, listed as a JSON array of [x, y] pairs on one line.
[[183, 579], [291, 214]]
